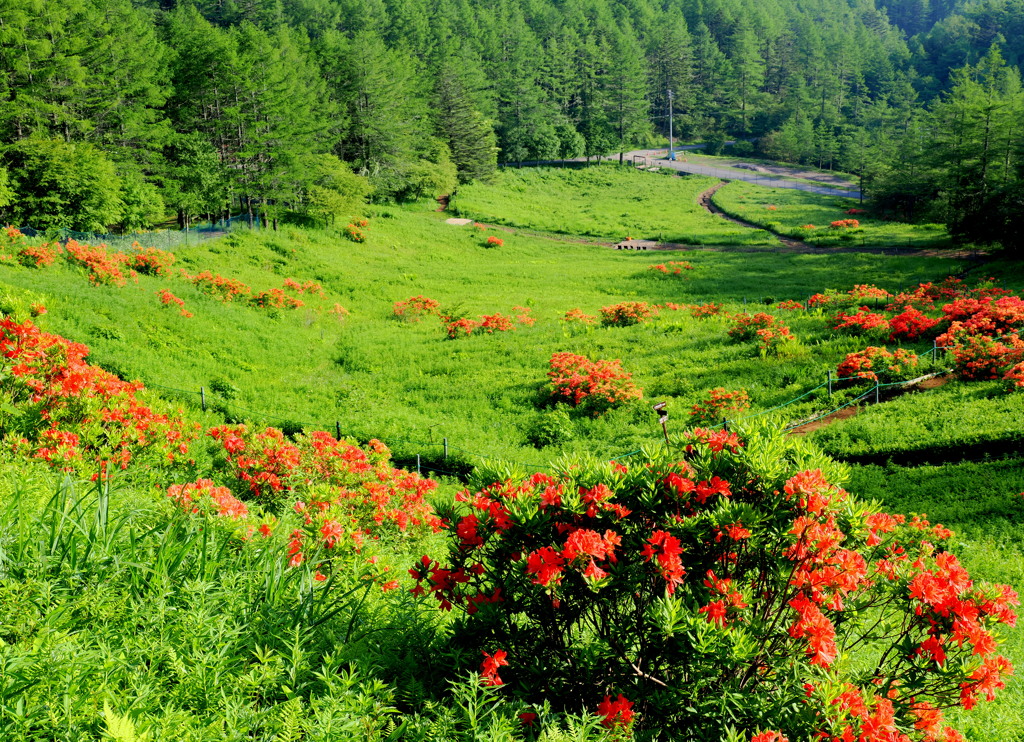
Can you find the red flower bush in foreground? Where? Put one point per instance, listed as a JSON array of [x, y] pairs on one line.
[[594, 385], [845, 224], [731, 580], [878, 364], [494, 241]]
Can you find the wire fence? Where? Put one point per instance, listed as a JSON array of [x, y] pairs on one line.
[[162, 238]]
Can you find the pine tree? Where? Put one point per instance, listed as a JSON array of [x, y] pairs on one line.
[[627, 92], [469, 136]]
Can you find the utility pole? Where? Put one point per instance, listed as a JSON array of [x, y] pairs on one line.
[[671, 148]]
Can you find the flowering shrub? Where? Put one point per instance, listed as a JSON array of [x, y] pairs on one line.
[[343, 492], [763, 327], [524, 316], [76, 416], [12, 236], [718, 404], [461, 327], [103, 267], [311, 287], [845, 224], [672, 268], [494, 241], [576, 315], [878, 364], [592, 385], [710, 309], [789, 305], [854, 212], [225, 289], [151, 261], [353, 233], [978, 357], [167, 298], [38, 256], [626, 313], [497, 322], [416, 308], [864, 322], [728, 582], [808, 227], [1014, 377], [772, 207], [910, 324], [204, 497], [276, 299]]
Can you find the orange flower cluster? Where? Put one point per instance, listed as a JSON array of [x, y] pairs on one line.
[[167, 298], [596, 385], [672, 267], [627, 313], [77, 416], [878, 364], [577, 315], [718, 404], [416, 308]]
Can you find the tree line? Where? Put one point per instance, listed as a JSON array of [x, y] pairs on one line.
[[114, 111]]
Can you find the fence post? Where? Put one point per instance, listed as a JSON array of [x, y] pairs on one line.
[[202, 397], [877, 387], [418, 464], [829, 372], [445, 449], [725, 424], [935, 350], [337, 430]]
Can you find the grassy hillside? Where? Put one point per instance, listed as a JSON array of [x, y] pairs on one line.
[[197, 629], [603, 201], [808, 217], [407, 384]]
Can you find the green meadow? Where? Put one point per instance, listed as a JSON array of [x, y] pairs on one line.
[[603, 201], [807, 216], [199, 635]]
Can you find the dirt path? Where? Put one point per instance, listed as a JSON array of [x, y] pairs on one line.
[[705, 200], [847, 412], [789, 245]]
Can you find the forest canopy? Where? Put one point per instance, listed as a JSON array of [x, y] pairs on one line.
[[221, 106]]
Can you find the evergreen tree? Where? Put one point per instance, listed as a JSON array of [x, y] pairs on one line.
[[672, 63], [469, 136], [627, 92]]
